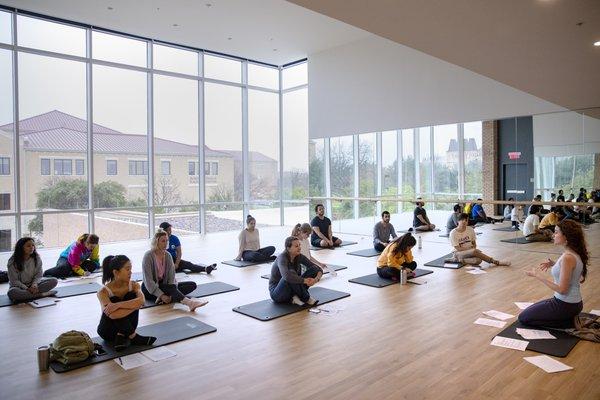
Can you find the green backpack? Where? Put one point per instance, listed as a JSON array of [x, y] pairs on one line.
[[71, 347]]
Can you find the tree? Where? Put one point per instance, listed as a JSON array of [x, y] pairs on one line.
[[166, 191], [109, 194]]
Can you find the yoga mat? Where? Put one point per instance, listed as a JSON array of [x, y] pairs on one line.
[[344, 243], [440, 263], [334, 267], [166, 332], [375, 280], [365, 253], [519, 240], [242, 263], [267, 310], [506, 229], [203, 290], [559, 347], [61, 292]]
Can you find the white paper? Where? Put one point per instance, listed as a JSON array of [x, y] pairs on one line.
[[498, 315], [470, 268], [418, 281], [181, 275], [159, 353], [548, 364], [490, 322], [132, 361], [509, 343], [42, 302], [328, 309], [534, 334], [522, 304], [476, 272], [595, 312], [451, 265]]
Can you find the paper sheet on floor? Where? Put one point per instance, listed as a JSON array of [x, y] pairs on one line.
[[132, 361], [548, 364], [476, 272], [159, 353], [43, 302], [509, 343], [490, 322], [522, 304], [595, 312], [498, 315], [534, 334]]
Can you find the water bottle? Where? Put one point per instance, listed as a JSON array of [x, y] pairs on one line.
[[420, 241], [403, 276]]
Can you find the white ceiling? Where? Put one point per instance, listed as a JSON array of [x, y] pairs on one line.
[[542, 47], [256, 27]]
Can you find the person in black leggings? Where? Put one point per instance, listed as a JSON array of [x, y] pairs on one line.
[[120, 300]]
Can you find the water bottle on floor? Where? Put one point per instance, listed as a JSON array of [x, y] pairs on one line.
[[403, 276], [420, 241]]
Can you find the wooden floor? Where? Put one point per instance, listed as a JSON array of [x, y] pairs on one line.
[[399, 342]]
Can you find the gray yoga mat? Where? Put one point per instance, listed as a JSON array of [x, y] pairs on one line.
[[559, 347], [61, 292], [242, 263], [518, 240], [267, 310], [344, 243], [440, 263], [506, 229], [375, 280], [371, 252], [334, 267], [166, 332], [203, 290]]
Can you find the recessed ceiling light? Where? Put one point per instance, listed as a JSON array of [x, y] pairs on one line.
[[274, 49], [110, 8], [597, 44], [229, 38], [175, 25], [208, 5]]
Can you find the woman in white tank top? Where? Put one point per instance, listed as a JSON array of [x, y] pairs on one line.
[[568, 273]]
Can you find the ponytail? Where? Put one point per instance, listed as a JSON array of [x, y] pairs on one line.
[[403, 243], [111, 264]]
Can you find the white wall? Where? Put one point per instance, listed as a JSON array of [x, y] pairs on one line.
[[565, 134], [374, 84]]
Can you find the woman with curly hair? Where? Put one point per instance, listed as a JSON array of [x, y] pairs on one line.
[[568, 273]]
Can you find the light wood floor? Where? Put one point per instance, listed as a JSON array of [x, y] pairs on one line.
[[399, 342]]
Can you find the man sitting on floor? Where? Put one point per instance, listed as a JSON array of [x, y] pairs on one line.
[[382, 232], [478, 215], [174, 249], [531, 229], [420, 220], [322, 235]]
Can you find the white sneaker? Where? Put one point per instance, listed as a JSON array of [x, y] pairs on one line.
[[312, 301], [296, 300]]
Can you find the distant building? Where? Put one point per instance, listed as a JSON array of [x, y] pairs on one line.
[[471, 151]]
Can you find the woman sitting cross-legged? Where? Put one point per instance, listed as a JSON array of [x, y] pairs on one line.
[[568, 273], [120, 300], [25, 274], [288, 283], [250, 249], [395, 256], [159, 283]]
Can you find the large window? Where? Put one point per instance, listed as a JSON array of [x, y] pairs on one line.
[[5, 27], [445, 164], [473, 158], [424, 160], [408, 167], [172, 59], [221, 68], [115, 48], [367, 173], [389, 169], [341, 172], [296, 75], [50, 36]]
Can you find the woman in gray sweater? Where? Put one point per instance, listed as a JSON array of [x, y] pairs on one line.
[[25, 273], [159, 282]]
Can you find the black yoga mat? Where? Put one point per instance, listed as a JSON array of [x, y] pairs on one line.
[[267, 310], [375, 280], [203, 290], [371, 252], [242, 263], [166, 332], [506, 229], [519, 240], [440, 263], [61, 291], [334, 267], [559, 347], [344, 243]]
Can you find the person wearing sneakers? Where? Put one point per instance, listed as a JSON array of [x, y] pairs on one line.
[[287, 283], [159, 283], [174, 250], [80, 258], [395, 256], [250, 249], [462, 239], [24, 269], [302, 232], [120, 300]]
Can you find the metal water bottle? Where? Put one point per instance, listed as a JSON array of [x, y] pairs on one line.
[[420, 241], [403, 276]]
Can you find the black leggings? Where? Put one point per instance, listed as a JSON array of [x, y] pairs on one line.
[[186, 265], [394, 273], [64, 270], [551, 313], [109, 328], [379, 246], [176, 292], [263, 254]]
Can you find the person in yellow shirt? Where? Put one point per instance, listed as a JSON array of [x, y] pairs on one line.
[[551, 219], [395, 256]]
